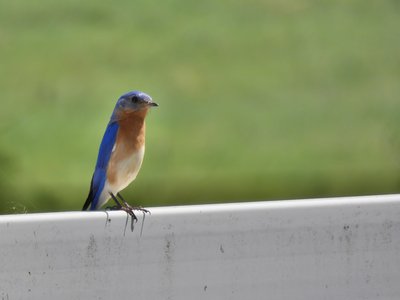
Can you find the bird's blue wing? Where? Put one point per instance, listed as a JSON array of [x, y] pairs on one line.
[[100, 173], [107, 145]]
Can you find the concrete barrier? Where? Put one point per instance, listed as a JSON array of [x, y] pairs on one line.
[[338, 248]]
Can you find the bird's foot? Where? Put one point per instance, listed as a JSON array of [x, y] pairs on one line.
[[129, 211], [128, 206], [138, 208]]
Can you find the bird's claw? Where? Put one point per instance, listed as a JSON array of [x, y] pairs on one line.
[[130, 212], [142, 209]]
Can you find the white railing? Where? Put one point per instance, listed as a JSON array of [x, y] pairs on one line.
[[337, 248]]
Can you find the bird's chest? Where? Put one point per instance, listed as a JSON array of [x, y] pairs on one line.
[[127, 156], [121, 172]]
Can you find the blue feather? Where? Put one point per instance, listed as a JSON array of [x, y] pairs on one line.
[[107, 145], [100, 173]]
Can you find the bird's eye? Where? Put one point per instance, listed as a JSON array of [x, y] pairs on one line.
[[135, 99]]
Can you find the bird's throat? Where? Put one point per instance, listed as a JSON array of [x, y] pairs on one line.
[[132, 130]]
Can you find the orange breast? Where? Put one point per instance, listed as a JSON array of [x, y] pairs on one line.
[[130, 139]]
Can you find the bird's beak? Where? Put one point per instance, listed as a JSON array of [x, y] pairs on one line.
[[151, 103]]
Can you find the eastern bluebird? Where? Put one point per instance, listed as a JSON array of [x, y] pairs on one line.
[[121, 152]]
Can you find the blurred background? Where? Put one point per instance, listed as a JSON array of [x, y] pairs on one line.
[[259, 99]]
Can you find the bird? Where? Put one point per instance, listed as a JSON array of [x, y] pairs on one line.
[[121, 153]]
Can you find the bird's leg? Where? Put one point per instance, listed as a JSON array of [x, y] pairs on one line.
[[132, 207], [127, 209], [117, 205], [123, 201]]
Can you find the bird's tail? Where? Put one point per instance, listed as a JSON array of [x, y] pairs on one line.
[[90, 197]]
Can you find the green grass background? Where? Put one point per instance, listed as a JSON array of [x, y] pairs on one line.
[[259, 100]]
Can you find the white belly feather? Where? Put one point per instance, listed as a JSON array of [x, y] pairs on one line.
[[128, 169], [126, 172]]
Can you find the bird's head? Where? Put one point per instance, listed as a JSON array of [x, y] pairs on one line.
[[135, 101]]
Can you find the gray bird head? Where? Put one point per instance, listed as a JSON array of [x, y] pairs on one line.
[[135, 101]]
